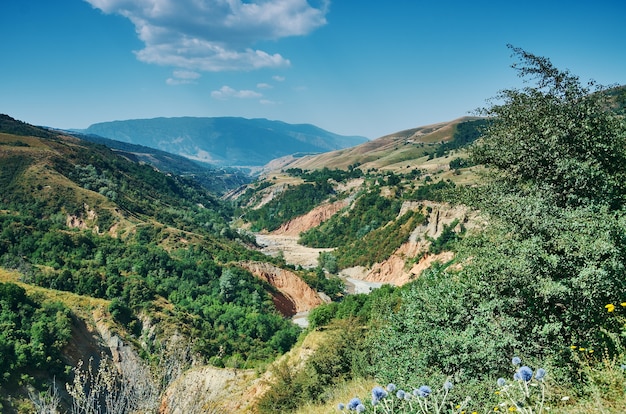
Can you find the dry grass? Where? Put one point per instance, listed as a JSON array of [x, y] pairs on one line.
[[82, 306]]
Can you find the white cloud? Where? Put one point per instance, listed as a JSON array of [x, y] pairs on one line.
[[264, 86], [267, 102], [278, 78], [226, 92], [215, 35], [183, 77]]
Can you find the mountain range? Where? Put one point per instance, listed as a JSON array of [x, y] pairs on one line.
[[225, 141]]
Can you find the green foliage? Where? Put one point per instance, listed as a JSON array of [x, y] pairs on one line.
[[334, 362], [557, 140], [439, 191], [14, 127], [293, 202], [377, 245], [325, 174], [331, 285], [465, 134], [229, 311], [447, 238], [32, 335], [370, 212]]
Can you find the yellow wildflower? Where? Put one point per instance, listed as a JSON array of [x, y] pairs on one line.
[[573, 346], [512, 408], [581, 349], [623, 304], [610, 307], [590, 351]]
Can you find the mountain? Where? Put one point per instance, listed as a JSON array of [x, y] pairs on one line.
[[216, 179], [227, 141]]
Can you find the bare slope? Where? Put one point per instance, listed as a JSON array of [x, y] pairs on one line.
[[396, 152]]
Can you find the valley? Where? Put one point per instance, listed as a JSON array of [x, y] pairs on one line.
[[429, 255]]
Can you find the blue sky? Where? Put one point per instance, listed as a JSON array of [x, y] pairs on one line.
[[352, 67]]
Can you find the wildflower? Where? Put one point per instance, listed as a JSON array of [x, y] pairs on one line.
[[378, 393], [341, 406], [516, 361], [424, 391], [525, 373], [540, 373], [590, 351], [573, 346], [400, 394], [623, 304], [512, 408], [375, 401], [448, 385], [391, 387], [623, 367], [360, 408], [610, 307], [353, 403], [581, 349], [516, 377], [501, 382]]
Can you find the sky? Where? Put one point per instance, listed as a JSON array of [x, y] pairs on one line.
[[358, 67]]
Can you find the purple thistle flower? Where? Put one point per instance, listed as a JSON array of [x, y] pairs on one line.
[[400, 394], [353, 403], [378, 393], [424, 391], [525, 373], [540, 373], [501, 382], [391, 387], [516, 377], [516, 361]]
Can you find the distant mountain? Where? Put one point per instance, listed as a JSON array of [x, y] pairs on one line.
[[216, 179], [228, 141]]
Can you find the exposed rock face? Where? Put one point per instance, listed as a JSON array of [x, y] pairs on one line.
[[293, 295], [210, 390], [312, 219]]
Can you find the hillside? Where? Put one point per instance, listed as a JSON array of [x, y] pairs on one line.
[[226, 141], [137, 266], [398, 152]]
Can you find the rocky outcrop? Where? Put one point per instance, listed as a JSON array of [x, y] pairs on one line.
[[312, 219], [398, 269], [293, 295]]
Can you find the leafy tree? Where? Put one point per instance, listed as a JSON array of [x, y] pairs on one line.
[[537, 279], [557, 140]]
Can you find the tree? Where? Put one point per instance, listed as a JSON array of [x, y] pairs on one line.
[[557, 139]]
